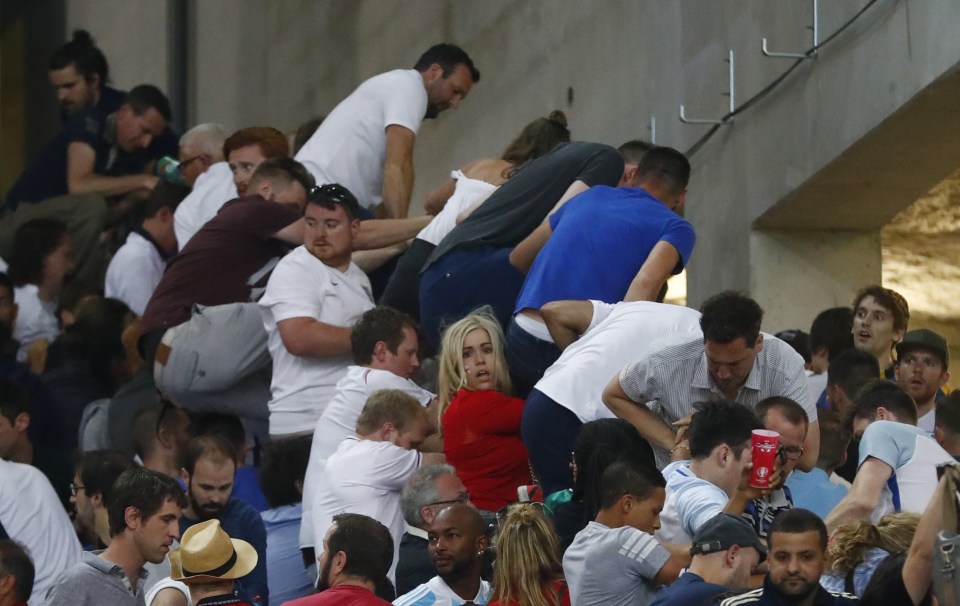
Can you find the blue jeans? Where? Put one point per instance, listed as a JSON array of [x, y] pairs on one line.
[[549, 432], [463, 280], [528, 358]]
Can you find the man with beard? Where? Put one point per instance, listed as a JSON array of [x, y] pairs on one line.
[[366, 143], [357, 552], [458, 540], [922, 370], [143, 515], [208, 472], [797, 547]]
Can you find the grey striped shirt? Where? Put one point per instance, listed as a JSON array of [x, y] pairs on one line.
[[674, 378]]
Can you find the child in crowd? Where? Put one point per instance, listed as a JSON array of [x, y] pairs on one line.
[[528, 570], [479, 420]]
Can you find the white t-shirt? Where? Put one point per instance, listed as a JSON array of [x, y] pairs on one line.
[[36, 319], [691, 502], [613, 566], [167, 583], [436, 592], [31, 514], [913, 456], [350, 147], [302, 286], [928, 421], [134, 272], [366, 477], [213, 189], [617, 335], [339, 421], [466, 193]]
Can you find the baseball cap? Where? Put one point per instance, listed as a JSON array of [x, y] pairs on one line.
[[924, 338], [723, 532]]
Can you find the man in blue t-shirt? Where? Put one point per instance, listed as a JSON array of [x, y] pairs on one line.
[[725, 550], [898, 460], [609, 244]]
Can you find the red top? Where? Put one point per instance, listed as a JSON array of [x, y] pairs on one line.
[[341, 595], [558, 586], [481, 438]]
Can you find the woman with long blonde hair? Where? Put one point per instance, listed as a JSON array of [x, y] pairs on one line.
[[479, 421], [528, 570], [857, 549]]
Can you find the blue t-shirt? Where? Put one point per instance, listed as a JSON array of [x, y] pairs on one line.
[[813, 490], [242, 521], [600, 240], [690, 590]]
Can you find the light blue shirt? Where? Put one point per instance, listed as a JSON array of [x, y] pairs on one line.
[[814, 491], [286, 575]]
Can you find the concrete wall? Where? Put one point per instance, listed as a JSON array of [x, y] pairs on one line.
[[820, 153]]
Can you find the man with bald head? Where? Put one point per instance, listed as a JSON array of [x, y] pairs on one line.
[[458, 541]]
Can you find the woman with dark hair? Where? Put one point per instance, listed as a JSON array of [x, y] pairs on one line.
[[40, 260], [600, 444], [461, 194]]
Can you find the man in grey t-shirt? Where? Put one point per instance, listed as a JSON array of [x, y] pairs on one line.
[[616, 560], [144, 520]]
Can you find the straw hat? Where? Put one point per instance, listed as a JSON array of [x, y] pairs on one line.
[[208, 554]]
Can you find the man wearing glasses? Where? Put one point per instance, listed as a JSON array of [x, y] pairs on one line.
[[789, 419], [431, 489]]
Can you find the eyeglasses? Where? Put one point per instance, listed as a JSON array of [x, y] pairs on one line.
[[187, 162], [74, 488], [792, 453], [463, 497]]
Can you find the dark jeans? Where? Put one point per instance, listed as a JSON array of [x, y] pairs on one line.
[[462, 281], [403, 288], [549, 432], [528, 358]]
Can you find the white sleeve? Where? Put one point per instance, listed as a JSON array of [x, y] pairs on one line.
[[387, 380], [404, 105], [601, 311], [293, 291], [393, 466]]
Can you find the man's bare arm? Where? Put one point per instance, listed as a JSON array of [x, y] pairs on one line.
[[381, 233], [81, 178], [864, 497], [370, 260], [566, 320], [310, 338], [398, 171], [650, 426], [525, 252], [292, 234], [653, 273], [919, 563]]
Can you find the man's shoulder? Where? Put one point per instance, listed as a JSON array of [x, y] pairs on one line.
[[90, 570], [425, 594], [242, 516]]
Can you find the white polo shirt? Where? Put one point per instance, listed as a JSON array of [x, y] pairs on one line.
[[134, 272], [212, 190], [302, 286], [36, 319], [617, 334]]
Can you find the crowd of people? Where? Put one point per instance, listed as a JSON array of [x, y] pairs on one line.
[[236, 370]]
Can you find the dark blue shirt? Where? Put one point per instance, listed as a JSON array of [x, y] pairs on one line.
[[767, 596], [242, 521], [690, 590]]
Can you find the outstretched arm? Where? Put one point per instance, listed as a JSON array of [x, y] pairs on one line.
[[81, 178], [648, 424], [567, 320], [653, 273], [919, 562], [526, 251], [398, 171], [863, 497]]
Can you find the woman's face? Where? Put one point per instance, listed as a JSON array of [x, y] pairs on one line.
[[479, 360]]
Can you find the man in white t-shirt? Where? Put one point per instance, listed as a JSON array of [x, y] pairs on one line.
[[385, 344], [616, 560], [596, 339], [314, 297], [367, 472], [244, 151], [922, 369], [31, 514], [898, 461], [136, 268], [366, 142], [714, 480]]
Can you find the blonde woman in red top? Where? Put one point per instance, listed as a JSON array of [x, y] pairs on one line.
[[479, 420]]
